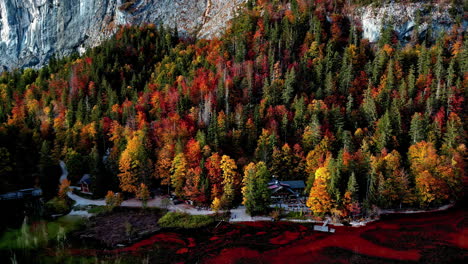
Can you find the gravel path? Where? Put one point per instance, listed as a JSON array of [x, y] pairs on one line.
[[238, 214], [64, 171]]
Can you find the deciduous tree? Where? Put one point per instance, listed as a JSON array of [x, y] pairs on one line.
[[256, 195], [230, 180], [320, 201], [179, 173], [143, 194]]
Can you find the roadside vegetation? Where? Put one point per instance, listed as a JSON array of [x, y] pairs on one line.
[[290, 89], [187, 221], [41, 234]]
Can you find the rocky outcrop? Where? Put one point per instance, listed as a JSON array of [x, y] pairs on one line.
[[31, 31], [407, 19]]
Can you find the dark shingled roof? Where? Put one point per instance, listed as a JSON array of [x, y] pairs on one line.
[[85, 179], [290, 186], [295, 184]]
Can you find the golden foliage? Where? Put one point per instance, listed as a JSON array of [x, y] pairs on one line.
[[64, 188], [126, 176], [320, 201]]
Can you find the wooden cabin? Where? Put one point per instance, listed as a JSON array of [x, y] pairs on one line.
[[285, 190], [85, 183]]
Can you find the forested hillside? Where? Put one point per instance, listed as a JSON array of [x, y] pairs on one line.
[[289, 90]]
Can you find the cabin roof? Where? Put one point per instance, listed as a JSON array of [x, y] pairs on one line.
[[285, 186], [289, 184], [85, 179], [295, 184]]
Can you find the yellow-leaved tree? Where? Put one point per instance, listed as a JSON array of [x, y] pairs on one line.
[[179, 173], [249, 175], [320, 201], [113, 200], [143, 194], [216, 205], [230, 180], [134, 163], [127, 177], [315, 159], [431, 172]]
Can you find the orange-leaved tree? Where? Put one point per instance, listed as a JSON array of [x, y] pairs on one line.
[[428, 168], [320, 201], [193, 186], [143, 194], [315, 159], [134, 162], [64, 188], [127, 177], [213, 166], [162, 169]]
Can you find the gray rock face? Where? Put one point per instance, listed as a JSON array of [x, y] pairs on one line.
[[404, 19], [31, 31]]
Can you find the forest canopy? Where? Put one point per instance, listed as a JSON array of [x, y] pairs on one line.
[[291, 89]]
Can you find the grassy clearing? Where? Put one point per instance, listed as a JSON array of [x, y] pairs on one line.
[[58, 206], [99, 209], [186, 221], [296, 215], [31, 236]]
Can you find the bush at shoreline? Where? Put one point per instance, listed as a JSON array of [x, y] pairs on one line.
[[184, 220]]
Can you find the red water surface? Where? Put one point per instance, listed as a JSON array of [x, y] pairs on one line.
[[426, 238], [423, 238]]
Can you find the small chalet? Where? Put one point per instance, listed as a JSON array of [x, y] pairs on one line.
[[85, 183], [285, 190]]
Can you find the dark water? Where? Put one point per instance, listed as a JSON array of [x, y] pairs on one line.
[[16, 210], [423, 238], [440, 237]]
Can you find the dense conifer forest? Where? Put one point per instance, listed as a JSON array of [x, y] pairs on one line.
[[290, 89]]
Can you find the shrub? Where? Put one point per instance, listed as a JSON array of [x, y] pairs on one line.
[[97, 210], [184, 220], [165, 202], [128, 229], [57, 206], [276, 214], [113, 200], [143, 194], [296, 215]]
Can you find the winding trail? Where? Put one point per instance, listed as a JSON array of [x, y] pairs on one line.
[[238, 214], [64, 175]]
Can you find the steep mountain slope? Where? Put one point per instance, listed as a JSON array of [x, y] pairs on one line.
[[291, 89], [32, 30], [408, 20]]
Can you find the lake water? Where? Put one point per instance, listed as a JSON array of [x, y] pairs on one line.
[[423, 238]]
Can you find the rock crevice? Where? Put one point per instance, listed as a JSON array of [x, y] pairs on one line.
[[31, 31]]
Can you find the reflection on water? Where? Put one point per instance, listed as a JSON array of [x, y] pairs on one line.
[[426, 238]]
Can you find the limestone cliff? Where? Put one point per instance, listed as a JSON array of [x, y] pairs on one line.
[[407, 19], [31, 31]]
